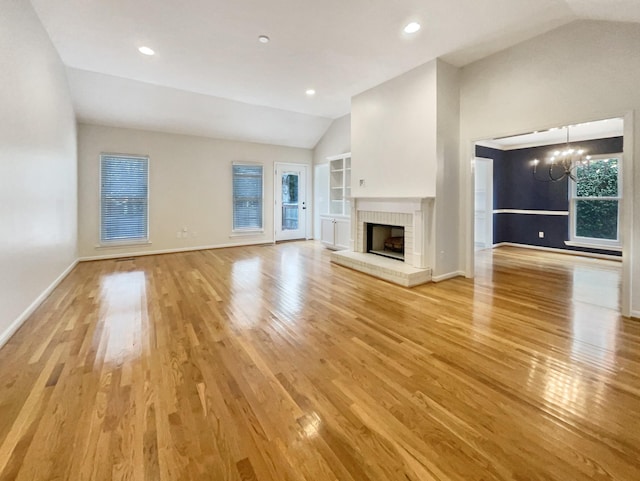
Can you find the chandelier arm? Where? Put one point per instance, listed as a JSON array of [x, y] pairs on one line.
[[556, 179], [537, 178]]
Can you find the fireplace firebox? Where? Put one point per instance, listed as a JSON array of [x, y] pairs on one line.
[[386, 240]]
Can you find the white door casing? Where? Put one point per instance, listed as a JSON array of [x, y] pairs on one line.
[[290, 205], [483, 211]]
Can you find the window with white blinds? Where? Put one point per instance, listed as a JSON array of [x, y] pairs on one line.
[[124, 198], [247, 197]]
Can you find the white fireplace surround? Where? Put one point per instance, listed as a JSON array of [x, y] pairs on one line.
[[412, 213]]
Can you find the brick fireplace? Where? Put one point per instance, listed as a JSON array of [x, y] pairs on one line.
[[414, 216]]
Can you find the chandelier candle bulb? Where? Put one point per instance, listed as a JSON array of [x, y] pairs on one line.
[[535, 165]]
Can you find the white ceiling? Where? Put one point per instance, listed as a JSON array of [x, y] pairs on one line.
[[116, 101], [212, 77], [613, 10]]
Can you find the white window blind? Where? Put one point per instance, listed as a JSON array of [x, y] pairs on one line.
[[124, 198], [247, 197]]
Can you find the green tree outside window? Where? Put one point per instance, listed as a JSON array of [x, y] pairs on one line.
[[596, 213]]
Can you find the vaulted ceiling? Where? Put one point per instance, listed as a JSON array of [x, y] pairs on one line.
[[211, 76]]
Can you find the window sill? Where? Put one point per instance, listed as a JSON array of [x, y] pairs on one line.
[[588, 245], [246, 233], [122, 244]]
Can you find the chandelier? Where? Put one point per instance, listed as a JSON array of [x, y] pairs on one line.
[[561, 163]]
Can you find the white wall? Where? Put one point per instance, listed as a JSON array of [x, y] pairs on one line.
[[189, 184], [393, 136], [584, 71], [37, 166], [336, 140], [447, 261]]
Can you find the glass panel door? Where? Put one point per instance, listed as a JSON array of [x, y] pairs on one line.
[[290, 213], [290, 201]]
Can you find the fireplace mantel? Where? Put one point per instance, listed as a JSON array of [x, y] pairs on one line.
[[407, 205], [399, 199]]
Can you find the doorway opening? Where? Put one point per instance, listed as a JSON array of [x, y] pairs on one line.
[[550, 187]]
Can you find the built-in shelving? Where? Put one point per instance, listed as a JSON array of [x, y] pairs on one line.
[[340, 184], [335, 230]]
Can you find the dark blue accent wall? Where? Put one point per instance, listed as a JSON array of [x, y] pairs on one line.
[[515, 188]]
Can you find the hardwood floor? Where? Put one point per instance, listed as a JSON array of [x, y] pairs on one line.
[[270, 363]]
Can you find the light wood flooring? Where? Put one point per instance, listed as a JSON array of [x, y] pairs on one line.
[[270, 363]]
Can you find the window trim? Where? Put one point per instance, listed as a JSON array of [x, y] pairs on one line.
[[123, 242], [246, 230], [592, 242]]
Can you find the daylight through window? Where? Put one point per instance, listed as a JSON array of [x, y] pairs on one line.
[[247, 197], [124, 201], [596, 199]]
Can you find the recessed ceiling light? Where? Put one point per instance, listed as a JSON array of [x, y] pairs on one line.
[[263, 39], [412, 27], [310, 92], [146, 51]]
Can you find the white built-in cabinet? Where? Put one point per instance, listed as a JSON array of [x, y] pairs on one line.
[[335, 226], [335, 232]]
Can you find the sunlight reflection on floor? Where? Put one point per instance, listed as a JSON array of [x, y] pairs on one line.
[[246, 286], [123, 304]]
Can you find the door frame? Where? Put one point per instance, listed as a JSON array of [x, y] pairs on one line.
[[628, 199], [278, 167], [488, 203]]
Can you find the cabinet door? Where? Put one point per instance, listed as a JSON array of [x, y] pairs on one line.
[[326, 230], [342, 233]]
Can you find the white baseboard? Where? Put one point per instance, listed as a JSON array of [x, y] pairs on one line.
[[560, 251], [448, 275], [635, 314], [15, 325], [171, 251]]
